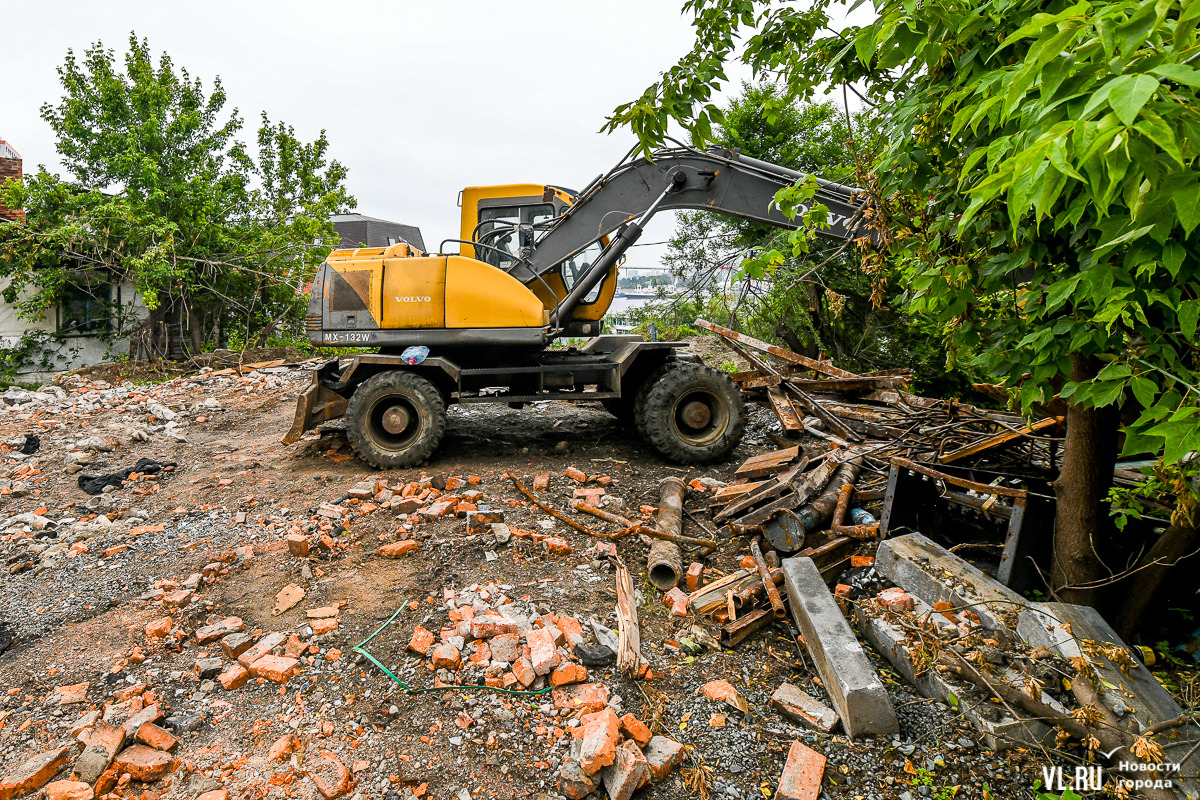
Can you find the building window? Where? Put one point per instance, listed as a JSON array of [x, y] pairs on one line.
[[86, 309]]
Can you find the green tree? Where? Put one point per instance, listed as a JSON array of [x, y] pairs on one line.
[[162, 193], [835, 309], [1040, 187]]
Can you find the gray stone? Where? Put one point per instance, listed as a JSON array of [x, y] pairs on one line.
[[856, 691], [184, 723], [799, 706], [91, 764], [209, 667]]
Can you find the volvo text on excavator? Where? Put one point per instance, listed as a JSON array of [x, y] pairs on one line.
[[535, 263]]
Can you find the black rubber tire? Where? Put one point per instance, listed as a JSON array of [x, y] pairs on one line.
[[420, 399], [661, 413], [639, 397]]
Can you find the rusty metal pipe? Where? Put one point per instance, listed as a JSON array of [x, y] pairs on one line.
[[869, 531], [735, 633], [753, 595], [664, 564], [768, 582]]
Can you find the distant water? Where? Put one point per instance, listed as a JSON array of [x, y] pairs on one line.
[[620, 305]]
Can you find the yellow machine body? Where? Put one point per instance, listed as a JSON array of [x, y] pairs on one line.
[[404, 290]]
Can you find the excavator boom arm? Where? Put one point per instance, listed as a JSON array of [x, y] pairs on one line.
[[718, 180]]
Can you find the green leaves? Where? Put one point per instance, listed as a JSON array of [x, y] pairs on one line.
[[1129, 93]]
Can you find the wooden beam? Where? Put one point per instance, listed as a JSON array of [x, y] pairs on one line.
[[823, 367], [997, 440]]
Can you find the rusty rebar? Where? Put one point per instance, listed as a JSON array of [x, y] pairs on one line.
[[768, 581]]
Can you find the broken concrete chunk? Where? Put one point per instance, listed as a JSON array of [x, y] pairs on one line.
[[856, 691], [800, 707], [627, 774], [662, 756], [934, 574]]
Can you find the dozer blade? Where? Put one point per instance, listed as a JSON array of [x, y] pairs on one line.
[[315, 405]]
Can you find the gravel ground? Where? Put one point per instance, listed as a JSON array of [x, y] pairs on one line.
[[80, 618]]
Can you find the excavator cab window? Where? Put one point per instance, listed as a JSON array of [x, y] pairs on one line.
[[499, 227], [575, 266]]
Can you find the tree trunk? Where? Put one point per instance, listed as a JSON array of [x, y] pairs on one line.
[[1176, 543], [1081, 522]]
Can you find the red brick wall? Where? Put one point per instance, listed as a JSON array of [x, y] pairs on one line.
[[10, 168]]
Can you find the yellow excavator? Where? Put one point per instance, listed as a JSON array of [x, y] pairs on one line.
[[534, 263]]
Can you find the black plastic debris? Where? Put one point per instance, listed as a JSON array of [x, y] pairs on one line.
[[32, 443], [94, 484]]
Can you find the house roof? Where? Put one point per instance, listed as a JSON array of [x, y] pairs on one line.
[[359, 230]]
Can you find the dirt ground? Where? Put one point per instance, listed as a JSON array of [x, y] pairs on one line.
[[223, 511]]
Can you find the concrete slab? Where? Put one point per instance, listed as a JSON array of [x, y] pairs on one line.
[[855, 690], [1000, 730], [931, 572], [1071, 631]]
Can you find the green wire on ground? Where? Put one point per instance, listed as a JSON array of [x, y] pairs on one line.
[[362, 650]]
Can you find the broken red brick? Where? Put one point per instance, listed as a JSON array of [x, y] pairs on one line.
[[862, 561], [215, 794], [677, 599], [261, 648], [568, 673], [398, 549], [234, 677], [543, 653], [72, 694], [151, 735], [694, 574], [486, 626], [144, 763], [573, 782], [895, 599], [575, 474], [284, 746], [67, 790], [329, 775], [35, 772], [446, 656], [746, 562], [298, 545], [421, 641], [160, 627], [274, 668], [558, 546], [635, 729], [586, 697], [799, 706], [524, 671], [663, 755], [541, 483], [598, 748], [505, 647], [802, 774]]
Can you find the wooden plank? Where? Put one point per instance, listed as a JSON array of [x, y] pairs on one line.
[[823, 367], [805, 486], [730, 493], [782, 406], [997, 440], [849, 384], [820, 412], [782, 456], [769, 489], [738, 377], [762, 381]]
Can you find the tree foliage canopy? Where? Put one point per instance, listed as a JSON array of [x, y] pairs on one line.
[[162, 193], [1039, 182]]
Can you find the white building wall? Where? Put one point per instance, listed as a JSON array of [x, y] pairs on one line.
[[75, 350]]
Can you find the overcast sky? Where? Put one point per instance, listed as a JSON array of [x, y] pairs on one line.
[[418, 99]]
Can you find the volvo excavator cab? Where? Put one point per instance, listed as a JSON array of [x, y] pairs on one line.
[[532, 263]]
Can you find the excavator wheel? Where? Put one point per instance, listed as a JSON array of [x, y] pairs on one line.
[[395, 419], [691, 413], [619, 407]]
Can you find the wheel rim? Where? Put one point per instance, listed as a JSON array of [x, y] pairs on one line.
[[393, 423], [700, 417]]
